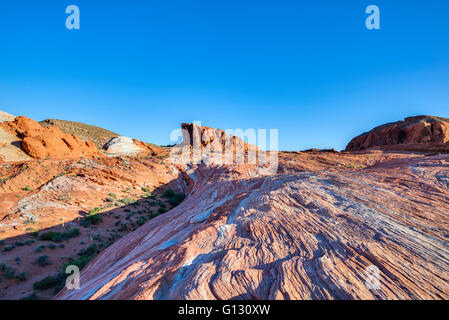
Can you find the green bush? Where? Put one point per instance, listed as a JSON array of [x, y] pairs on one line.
[[43, 261], [92, 220], [141, 221], [146, 190], [94, 211], [7, 271], [59, 236], [49, 282], [29, 242], [111, 197], [168, 193], [22, 276], [89, 251], [39, 248], [32, 296], [85, 255], [8, 248], [127, 201], [176, 199]]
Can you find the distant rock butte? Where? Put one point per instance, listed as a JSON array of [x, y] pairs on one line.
[[420, 133], [41, 142], [213, 139]]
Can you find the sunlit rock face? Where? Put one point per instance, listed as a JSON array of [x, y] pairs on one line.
[[425, 131], [325, 226], [121, 145]]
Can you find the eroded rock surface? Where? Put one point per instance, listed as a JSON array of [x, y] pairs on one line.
[[121, 145], [312, 231], [41, 142], [4, 116], [421, 132]]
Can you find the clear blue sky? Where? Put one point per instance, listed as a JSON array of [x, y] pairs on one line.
[[309, 68]]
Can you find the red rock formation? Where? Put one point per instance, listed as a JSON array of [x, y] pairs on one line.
[[41, 142], [425, 130], [315, 234], [213, 139]]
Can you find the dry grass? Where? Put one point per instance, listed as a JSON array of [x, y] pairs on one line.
[[97, 135]]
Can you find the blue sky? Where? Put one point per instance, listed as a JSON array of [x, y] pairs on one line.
[[308, 68]]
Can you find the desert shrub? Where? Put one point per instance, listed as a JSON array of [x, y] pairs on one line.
[[89, 251], [94, 211], [22, 276], [111, 197], [168, 193], [51, 246], [127, 201], [27, 188], [32, 296], [59, 236], [39, 248], [161, 210], [51, 236], [19, 244], [176, 199], [141, 221], [43, 261], [123, 227], [49, 282], [7, 271], [85, 255], [8, 248], [92, 218], [29, 242], [146, 190]]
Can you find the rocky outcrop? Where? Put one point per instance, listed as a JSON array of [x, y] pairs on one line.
[[214, 140], [121, 145], [420, 130], [4, 116], [330, 232], [41, 142]]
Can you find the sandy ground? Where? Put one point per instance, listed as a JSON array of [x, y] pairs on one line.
[[10, 147]]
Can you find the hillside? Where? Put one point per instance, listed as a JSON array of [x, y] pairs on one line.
[[420, 133], [97, 135]]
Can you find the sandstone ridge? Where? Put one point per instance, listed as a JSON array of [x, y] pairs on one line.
[[420, 133], [41, 142]]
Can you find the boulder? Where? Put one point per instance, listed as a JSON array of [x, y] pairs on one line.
[[121, 145], [41, 142], [421, 130]]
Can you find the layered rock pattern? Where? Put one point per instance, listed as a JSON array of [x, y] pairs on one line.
[[121, 145], [305, 233]]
